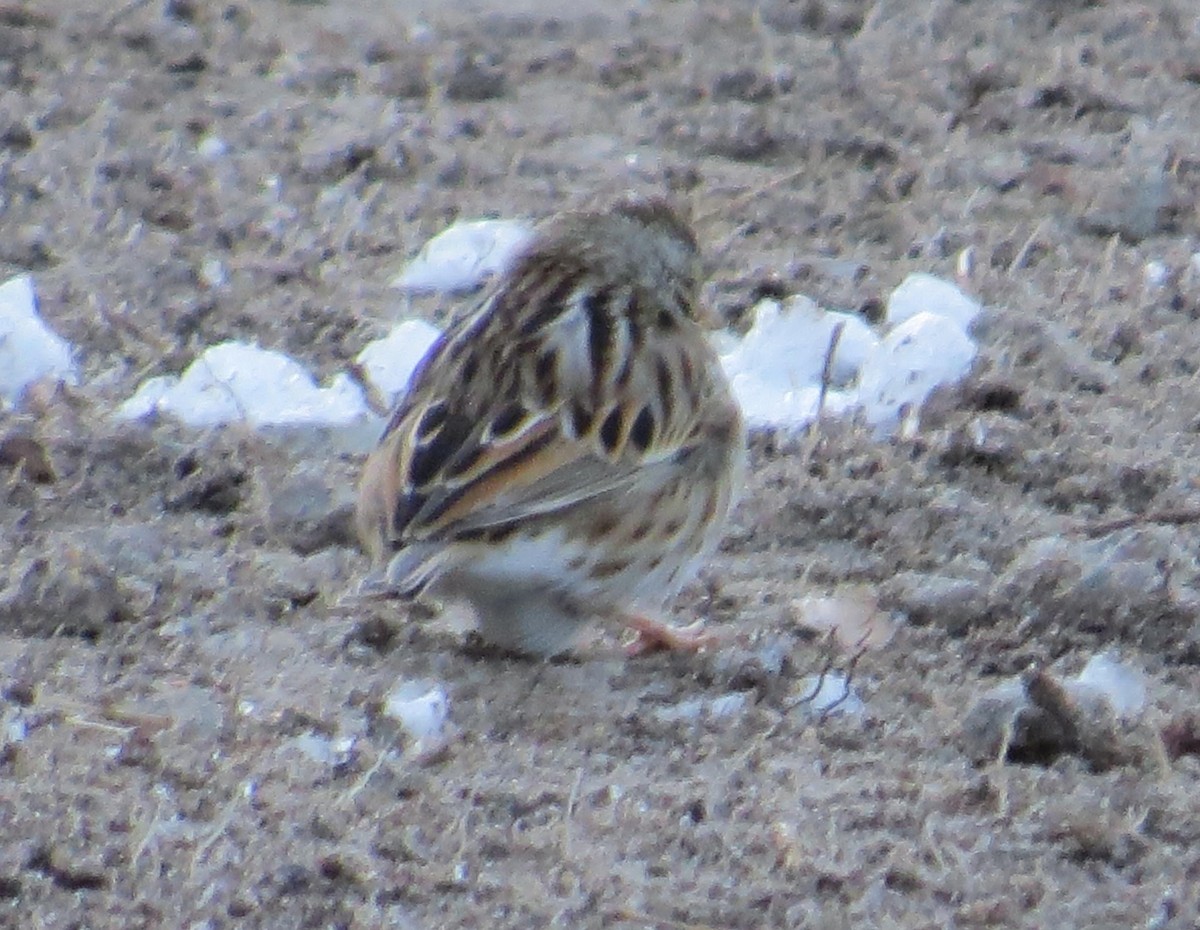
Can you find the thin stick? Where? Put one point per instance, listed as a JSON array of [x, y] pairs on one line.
[[750, 195], [375, 398], [847, 678], [827, 368], [830, 658], [1180, 517], [569, 811], [628, 913], [1023, 252], [357, 788]]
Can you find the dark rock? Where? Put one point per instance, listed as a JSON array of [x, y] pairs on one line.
[[473, 81]]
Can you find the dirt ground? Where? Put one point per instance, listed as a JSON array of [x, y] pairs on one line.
[[190, 725]]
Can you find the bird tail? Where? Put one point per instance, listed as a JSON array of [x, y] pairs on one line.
[[404, 578], [412, 569]]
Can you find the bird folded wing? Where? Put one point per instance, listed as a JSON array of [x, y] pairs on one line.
[[538, 469]]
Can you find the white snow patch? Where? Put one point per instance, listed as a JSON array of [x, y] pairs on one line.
[[240, 382], [926, 293], [389, 363], [917, 356], [460, 258], [421, 709], [213, 273], [830, 693], [1156, 274], [776, 369], [788, 343], [29, 350], [767, 405], [1122, 686], [16, 730], [718, 708], [323, 750], [212, 147]]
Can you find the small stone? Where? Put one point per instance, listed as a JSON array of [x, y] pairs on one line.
[[727, 705], [1135, 210], [213, 273], [240, 382], [15, 731], [790, 340], [67, 590], [776, 369], [1117, 585], [472, 81], [953, 604], [1040, 717], [403, 80], [744, 84], [323, 750], [287, 577], [309, 512], [16, 137], [851, 615], [329, 158], [987, 439], [20, 450], [1003, 171]]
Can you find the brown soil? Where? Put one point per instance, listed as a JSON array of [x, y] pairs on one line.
[[172, 643]]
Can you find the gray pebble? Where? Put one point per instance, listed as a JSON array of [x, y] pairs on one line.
[[954, 604], [309, 512]]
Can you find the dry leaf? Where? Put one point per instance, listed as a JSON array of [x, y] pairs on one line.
[[851, 615]]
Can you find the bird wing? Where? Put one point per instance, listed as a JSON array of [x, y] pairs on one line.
[[534, 404]]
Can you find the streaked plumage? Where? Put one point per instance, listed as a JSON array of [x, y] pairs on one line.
[[569, 449]]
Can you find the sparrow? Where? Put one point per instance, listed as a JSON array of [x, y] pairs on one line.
[[569, 450]]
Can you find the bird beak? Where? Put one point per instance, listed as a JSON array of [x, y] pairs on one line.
[[374, 587]]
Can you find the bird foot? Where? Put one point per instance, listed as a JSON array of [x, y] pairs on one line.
[[654, 635]]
